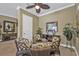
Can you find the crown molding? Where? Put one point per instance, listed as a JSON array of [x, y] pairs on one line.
[[2, 14], [18, 8], [56, 10]]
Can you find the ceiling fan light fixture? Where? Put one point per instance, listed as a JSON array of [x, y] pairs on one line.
[[37, 7]]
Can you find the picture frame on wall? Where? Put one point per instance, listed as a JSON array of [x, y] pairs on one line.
[[8, 26], [51, 27]]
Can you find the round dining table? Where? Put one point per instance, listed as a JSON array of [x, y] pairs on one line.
[[41, 49]]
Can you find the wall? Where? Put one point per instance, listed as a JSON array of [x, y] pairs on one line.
[[20, 12], [77, 23], [62, 17], [77, 15], [7, 18]]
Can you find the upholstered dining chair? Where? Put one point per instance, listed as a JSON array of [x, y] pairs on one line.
[[55, 45], [37, 38], [23, 48]]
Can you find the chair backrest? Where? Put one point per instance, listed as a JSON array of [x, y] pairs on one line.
[[56, 42], [24, 40], [22, 43], [23, 47], [37, 38], [20, 46]]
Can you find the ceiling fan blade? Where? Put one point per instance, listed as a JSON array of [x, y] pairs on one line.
[[38, 10], [30, 6], [44, 6]]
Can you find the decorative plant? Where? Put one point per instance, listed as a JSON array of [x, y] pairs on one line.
[[37, 36], [68, 32], [39, 31]]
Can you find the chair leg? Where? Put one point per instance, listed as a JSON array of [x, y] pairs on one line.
[[18, 54], [52, 53], [58, 52]]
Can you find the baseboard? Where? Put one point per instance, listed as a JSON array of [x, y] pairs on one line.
[[68, 46]]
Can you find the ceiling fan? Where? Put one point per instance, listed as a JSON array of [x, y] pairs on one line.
[[38, 6]]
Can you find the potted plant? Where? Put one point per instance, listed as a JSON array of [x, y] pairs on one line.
[[37, 36], [39, 31], [68, 32]]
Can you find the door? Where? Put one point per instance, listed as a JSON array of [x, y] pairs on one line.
[[27, 27]]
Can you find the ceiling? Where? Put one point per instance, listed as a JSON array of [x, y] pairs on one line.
[[10, 9]]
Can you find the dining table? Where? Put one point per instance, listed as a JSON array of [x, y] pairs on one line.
[[41, 49]]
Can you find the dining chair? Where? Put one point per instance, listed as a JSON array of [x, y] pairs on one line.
[[55, 45], [37, 38], [23, 48]]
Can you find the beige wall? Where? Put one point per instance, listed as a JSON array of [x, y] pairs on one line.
[[7, 18], [19, 16], [77, 15], [62, 17]]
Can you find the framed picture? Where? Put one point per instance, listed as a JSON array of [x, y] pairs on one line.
[[8, 26], [51, 27]]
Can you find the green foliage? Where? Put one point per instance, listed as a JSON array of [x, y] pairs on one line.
[[39, 31], [68, 32]]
